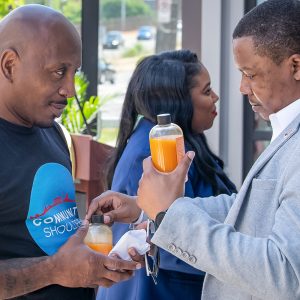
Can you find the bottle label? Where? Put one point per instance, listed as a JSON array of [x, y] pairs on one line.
[[180, 148]]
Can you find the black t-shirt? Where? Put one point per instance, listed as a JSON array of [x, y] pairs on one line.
[[38, 212]]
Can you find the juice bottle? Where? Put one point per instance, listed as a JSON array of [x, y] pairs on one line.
[[166, 144], [99, 236]]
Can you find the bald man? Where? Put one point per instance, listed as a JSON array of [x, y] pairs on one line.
[[42, 254]]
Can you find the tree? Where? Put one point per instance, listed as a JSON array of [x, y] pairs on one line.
[[7, 5], [70, 9], [111, 9]]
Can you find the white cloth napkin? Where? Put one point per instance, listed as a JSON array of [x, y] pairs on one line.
[[131, 239]]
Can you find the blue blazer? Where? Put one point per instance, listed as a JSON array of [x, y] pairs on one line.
[[176, 279]]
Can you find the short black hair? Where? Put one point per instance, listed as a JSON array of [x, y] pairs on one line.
[[274, 27]]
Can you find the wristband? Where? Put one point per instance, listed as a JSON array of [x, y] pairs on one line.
[[139, 220]]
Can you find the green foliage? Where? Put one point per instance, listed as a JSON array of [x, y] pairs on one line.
[[71, 9], [42, 2], [71, 117], [109, 136], [7, 5], [111, 9], [136, 50], [137, 8]]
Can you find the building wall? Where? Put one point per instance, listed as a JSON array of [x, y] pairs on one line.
[[211, 39], [231, 124]]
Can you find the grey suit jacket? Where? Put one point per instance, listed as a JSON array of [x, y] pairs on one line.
[[248, 243]]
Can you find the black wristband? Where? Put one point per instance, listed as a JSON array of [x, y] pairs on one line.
[[158, 219]]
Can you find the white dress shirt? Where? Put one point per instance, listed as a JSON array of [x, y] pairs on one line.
[[283, 118]]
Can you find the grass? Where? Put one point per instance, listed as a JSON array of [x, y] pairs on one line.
[[136, 50], [109, 136]]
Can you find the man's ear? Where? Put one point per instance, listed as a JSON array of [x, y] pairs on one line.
[[8, 61], [295, 58]]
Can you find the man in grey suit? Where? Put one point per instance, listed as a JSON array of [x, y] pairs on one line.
[[248, 243]]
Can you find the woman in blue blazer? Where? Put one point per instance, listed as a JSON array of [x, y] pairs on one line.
[[172, 82]]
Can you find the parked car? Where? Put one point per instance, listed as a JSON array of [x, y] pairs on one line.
[[145, 33], [105, 72], [113, 40]]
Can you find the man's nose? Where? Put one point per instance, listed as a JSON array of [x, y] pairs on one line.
[[67, 90], [245, 88]]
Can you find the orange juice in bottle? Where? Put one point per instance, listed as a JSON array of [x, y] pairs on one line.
[[166, 144], [99, 236]]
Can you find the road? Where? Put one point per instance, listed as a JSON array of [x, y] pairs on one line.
[[111, 110], [124, 67]]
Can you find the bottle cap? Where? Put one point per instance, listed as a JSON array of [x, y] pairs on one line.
[[97, 219], [163, 119]]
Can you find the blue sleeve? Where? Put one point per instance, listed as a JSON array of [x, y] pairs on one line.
[[196, 186], [134, 175], [189, 190], [127, 175], [130, 167]]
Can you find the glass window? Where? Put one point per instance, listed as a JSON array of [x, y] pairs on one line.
[[128, 31], [259, 147], [260, 124], [260, 1], [70, 8]]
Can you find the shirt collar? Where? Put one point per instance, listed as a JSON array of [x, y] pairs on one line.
[[283, 118]]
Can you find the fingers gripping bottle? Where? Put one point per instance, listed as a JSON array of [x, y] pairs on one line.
[[99, 236], [166, 144]]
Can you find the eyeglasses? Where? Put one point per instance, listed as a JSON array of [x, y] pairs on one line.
[[152, 257]]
